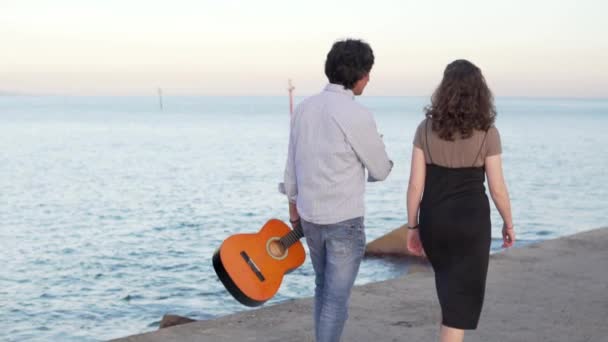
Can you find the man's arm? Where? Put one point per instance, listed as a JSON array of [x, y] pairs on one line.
[[290, 188], [363, 136]]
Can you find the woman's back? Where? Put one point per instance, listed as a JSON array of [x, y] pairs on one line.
[[459, 153]]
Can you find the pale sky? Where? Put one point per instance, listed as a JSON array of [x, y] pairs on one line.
[[202, 47]]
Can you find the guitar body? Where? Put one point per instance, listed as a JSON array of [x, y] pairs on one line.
[[251, 268]]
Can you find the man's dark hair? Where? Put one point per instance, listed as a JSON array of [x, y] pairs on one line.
[[348, 61]]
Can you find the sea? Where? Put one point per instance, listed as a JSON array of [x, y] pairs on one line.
[[111, 208]]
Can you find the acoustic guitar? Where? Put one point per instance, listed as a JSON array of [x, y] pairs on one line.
[[252, 266]]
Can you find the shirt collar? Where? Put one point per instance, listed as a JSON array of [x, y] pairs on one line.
[[338, 88]]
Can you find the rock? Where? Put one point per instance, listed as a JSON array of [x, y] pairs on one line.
[[393, 243], [171, 320]]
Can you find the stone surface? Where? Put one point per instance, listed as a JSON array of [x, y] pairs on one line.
[[554, 291], [172, 320]]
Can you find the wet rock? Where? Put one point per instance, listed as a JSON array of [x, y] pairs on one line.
[[171, 320]]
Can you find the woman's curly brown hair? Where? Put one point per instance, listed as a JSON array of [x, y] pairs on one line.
[[462, 102]]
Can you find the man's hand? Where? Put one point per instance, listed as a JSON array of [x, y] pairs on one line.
[[293, 214]]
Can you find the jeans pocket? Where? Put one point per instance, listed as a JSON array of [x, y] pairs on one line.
[[348, 237], [357, 231]]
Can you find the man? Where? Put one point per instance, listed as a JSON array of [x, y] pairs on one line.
[[333, 140]]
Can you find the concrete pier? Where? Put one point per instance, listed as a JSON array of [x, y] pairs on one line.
[[555, 290]]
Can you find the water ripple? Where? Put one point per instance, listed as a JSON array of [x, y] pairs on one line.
[[120, 227]]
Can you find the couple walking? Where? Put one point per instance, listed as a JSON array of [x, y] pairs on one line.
[[333, 140]]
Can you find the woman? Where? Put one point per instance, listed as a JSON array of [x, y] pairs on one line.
[[455, 147]]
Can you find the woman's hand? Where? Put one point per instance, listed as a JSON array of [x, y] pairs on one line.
[[413, 244], [508, 236]]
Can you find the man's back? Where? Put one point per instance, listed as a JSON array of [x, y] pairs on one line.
[[333, 139]]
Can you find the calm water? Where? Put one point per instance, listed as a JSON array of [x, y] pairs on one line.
[[110, 210]]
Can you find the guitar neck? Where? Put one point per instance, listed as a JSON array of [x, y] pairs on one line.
[[296, 234]]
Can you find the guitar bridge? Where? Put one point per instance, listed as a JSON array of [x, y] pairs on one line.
[[253, 266]]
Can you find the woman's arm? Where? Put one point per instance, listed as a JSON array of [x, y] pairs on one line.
[[415, 186], [414, 195], [500, 196]]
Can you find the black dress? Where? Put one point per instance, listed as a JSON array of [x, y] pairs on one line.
[[455, 231]]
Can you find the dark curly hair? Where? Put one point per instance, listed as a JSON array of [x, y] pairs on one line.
[[462, 102], [348, 61]]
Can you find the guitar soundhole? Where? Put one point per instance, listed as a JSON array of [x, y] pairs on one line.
[[276, 249]]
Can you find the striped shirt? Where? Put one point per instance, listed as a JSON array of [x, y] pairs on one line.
[[333, 140]]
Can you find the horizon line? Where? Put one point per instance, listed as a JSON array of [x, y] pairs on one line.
[[165, 95]]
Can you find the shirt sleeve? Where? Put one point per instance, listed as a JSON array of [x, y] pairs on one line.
[[290, 186], [493, 143], [362, 134]]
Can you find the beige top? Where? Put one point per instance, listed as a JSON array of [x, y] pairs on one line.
[[460, 152]]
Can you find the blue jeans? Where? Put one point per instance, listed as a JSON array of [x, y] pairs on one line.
[[336, 251]]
